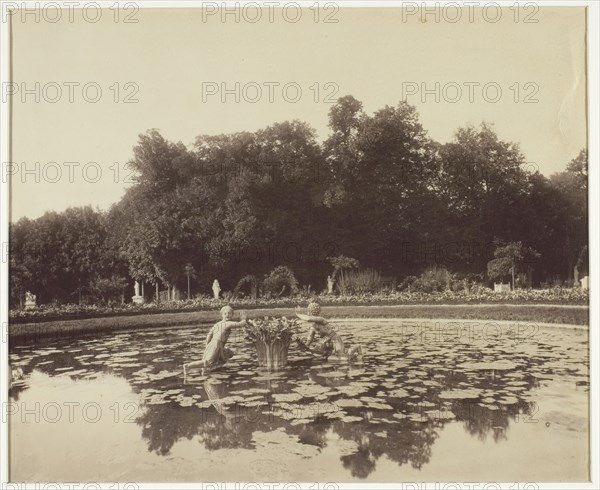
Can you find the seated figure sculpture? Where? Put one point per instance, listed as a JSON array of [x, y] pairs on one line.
[[332, 347]]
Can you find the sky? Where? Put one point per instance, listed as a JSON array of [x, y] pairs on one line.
[[100, 84]]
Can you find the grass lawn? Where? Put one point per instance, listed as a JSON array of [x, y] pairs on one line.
[[572, 315]]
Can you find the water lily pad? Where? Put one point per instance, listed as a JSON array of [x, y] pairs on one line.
[[186, 402], [369, 399], [440, 414], [287, 397], [502, 365], [459, 394], [311, 390], [352, 419], [348, 403], [379, 406], [333, 374], [508, 400], [174, 392], [126, 354], [489, 406], [398, 393], [157, 401], [355, 372]]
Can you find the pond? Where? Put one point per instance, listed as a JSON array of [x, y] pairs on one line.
[[465, 401]]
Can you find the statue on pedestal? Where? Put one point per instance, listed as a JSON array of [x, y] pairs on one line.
[[137, 299], [330, 284], [30, 300], [585, 282], [216, 289]]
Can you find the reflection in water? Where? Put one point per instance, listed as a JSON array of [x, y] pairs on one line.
[[394, 406]]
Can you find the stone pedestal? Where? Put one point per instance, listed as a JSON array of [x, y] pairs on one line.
[[585, 282], [500, 287], [272, 355]]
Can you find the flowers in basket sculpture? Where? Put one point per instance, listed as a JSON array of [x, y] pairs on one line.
[[272, 338]]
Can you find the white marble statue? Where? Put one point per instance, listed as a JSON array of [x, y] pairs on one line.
[[330, 284], [30, 300], [216, 289]]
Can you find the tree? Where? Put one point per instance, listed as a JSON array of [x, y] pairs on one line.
[[189, 272], [572, 187], [378, 194], [482, 183], [280, 279], [340, 264], [57, 255], [83, 236], [275, 196], [106, 290], [169, 211], [509, 259]]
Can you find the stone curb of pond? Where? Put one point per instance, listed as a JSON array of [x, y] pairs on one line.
[[433, 321], [75, 327], [461, 305]]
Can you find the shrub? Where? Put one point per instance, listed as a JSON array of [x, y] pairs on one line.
[[361, 281], [342, 263], [252, 281], [477, 294], [108, 290], [305, 292], [279, 281], [433, 279]]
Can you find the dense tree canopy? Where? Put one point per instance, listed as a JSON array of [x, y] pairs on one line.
[[378, 191]]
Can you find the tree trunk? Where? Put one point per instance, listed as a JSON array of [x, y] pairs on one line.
[[188, 287], [142, 289], [512, 270], [157, 295]]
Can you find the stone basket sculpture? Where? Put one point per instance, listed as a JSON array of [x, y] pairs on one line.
[[272, 338]]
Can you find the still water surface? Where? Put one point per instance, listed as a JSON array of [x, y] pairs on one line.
[[500, 404]]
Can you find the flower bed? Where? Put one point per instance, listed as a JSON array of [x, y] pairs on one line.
[[271, 337], [558, 296]]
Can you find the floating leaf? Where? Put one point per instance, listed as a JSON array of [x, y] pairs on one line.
[[460, 394]]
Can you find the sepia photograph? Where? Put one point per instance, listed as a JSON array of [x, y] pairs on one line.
[[299, 245]]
